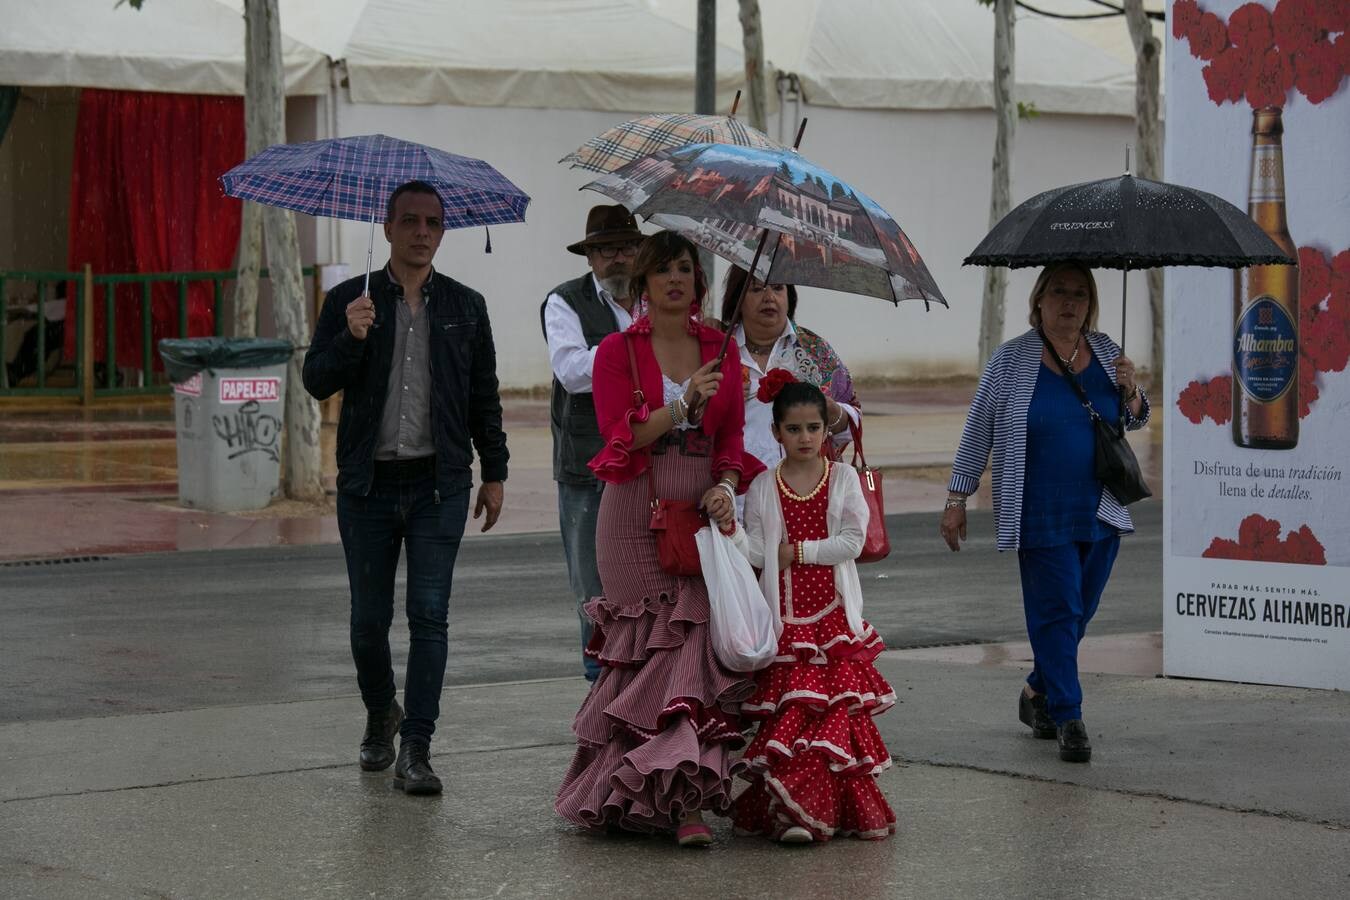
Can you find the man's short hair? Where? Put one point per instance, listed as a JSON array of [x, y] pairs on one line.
[[411, 187]]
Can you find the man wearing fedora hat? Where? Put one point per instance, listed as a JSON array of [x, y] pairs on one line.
[[577, 315]]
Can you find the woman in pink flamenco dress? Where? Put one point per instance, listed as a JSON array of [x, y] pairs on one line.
[[656, 733]]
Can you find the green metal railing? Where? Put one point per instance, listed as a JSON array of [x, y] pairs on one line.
[[87, 291]]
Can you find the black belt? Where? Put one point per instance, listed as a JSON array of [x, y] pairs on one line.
[[684, 441], [405, 469]]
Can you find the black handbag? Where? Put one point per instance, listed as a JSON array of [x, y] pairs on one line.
[[1114, 462]]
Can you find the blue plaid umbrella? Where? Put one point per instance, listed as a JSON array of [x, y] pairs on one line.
[[352, 178]]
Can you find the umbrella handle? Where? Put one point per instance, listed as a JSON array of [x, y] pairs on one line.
[[370, 251], [745, 287]]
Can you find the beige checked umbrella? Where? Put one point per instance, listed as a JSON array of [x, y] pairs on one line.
[[646, 135]]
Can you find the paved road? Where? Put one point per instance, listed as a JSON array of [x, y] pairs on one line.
[[178, 631], [185, 726]]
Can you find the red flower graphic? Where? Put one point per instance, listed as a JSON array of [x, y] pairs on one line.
[[1226, 77], [1249, 27], [1317, 72], [1208, 36], [1303, 547], [1295, 23], [1333, 15], [1211, 399], [1314, 277], [1259, 541], [1269, 80], [1342, 47], [1326, 343], [1307, 386], [1263, 53], [1185, 15]]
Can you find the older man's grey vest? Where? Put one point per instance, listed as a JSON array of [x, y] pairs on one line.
[[576, 435]]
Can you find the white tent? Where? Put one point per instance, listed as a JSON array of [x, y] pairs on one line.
[[179, 46], [897, 92]]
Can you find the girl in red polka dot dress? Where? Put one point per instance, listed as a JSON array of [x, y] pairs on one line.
[[813, 763]]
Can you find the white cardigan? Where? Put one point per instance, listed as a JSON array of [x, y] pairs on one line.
[[846, 516]]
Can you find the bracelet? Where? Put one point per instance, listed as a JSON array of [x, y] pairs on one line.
[[839, 418], [801, 557], [955, 503], [1133, 393], [731, 494], [679, 413]]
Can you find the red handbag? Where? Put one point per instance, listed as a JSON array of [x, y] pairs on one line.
[[877, 544], [674, 522]]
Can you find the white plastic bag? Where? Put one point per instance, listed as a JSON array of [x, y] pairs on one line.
[[742, 625]]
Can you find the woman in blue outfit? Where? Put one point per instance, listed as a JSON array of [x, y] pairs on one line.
[[1048, 504]]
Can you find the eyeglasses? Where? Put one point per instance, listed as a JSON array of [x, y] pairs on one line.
[[609, 251]]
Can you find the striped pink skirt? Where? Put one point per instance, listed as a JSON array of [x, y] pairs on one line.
[[656, 733]]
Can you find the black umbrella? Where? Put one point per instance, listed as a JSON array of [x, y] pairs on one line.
[[1127, 223]]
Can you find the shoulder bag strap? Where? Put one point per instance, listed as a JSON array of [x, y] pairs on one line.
[[639, 400], [1068, 376], [855, 429]]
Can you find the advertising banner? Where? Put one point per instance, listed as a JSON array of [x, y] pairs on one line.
[[1257, 394]]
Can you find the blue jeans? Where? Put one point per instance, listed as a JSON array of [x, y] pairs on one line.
[[578, 508], [373, 528], [1061, 587]]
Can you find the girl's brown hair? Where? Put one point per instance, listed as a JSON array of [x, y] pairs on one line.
[[659, 249]]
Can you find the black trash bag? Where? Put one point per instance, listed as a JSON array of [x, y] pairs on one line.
[[185, 357]]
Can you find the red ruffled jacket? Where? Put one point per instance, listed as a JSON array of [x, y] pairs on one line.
[[612, 383]]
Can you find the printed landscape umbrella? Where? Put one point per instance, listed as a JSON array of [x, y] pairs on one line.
[[730, 198], [643, 136], [1127, 223], [352, 178]]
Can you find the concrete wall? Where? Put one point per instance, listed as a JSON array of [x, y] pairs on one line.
[[929, 169]]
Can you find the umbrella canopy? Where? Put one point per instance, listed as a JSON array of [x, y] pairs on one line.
[[352, 178], [646, 135], [837, 237], [1127, 223]]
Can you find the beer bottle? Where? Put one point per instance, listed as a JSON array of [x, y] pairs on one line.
[[1265, 308]]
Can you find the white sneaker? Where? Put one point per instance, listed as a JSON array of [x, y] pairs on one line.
[[796, 835]]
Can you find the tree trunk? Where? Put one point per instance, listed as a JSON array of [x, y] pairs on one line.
[[1005, 116], [752, 41], [247, 264], [1147, 148], [265, 105]]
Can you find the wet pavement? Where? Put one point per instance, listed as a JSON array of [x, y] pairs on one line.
[[104, 481], [178, 715]]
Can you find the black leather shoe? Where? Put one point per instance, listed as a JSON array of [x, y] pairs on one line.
[[377, 745], [1074, 745], [412, 772], [1031, 710]]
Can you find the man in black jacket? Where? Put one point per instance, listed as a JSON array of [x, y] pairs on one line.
[[418, 371]]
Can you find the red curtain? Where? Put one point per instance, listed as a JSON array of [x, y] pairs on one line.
[[144, 198]]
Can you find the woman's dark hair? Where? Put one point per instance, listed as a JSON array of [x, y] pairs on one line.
[[658, 249], [731, 292], [799, 393]]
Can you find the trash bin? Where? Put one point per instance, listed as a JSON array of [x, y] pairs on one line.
[[228, 396]]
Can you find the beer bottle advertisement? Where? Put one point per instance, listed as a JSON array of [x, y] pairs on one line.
[[1265, 308], [1255, 401]]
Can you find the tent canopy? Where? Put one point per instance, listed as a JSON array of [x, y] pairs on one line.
[[609, 55], [177, 46], [637, 55]]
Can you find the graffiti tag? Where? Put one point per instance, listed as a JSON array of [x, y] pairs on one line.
[[248, 431]]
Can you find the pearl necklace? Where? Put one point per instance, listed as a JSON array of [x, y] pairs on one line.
[[1077, 345], [787, 489]]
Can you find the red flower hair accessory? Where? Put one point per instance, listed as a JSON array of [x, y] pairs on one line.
[[772, 383]]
